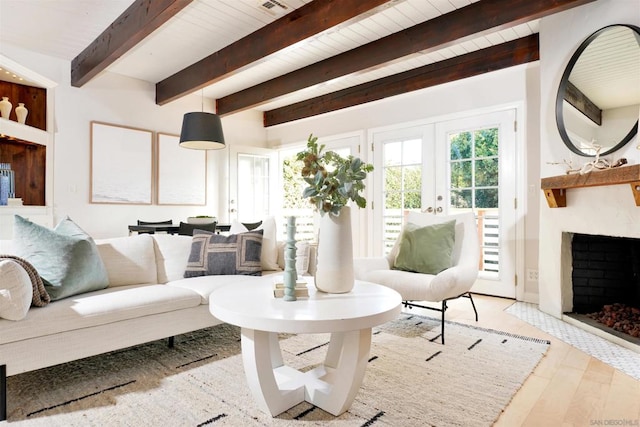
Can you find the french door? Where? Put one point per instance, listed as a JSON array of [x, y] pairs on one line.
[[451, 167], [252, 181]]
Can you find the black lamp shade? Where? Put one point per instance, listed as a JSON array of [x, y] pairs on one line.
[[202, 131]]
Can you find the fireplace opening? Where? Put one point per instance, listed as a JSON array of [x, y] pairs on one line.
[[606, 284]]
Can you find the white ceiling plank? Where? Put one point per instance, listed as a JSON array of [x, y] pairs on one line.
[[443, 6]]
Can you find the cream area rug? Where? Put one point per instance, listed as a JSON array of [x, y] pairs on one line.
[[411, 380]]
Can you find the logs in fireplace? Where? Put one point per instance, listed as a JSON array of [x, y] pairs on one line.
[[619, 317]]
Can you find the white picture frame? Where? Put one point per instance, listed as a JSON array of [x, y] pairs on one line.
[[181, 172], [121, 164]]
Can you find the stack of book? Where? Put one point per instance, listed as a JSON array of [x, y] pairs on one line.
[[300, 290]]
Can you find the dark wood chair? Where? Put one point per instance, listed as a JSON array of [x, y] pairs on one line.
[[168, 222]]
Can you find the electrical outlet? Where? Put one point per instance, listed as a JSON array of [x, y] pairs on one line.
[[532, 275]]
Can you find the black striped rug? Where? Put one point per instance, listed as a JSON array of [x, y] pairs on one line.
[[411, 380]]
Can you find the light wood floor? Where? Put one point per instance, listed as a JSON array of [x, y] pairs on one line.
[[567, 388]]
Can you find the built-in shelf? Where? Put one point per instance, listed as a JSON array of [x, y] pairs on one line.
[[555, 187], [23, 133]]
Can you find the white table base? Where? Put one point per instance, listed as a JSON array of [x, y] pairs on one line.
[[331, 386]]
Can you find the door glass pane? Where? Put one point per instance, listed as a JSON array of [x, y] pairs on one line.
[[460, 145], [253, 187], [474, 180], [487, 172], [461, 174], [461, 199], [402, 185]]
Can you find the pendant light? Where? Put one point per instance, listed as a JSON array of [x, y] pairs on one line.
[[202, 131]]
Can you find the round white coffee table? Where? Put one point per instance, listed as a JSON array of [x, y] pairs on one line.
[[348, 317]]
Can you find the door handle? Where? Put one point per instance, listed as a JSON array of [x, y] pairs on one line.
[[429, 209]]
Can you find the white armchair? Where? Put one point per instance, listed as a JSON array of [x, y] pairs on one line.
[[454, 282]]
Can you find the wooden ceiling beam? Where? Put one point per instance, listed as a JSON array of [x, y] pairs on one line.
[[132, 26], [494, 58], [442, 31], [582, 103], [300, 24]]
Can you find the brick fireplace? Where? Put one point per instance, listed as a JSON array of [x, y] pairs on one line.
[[605, 279], [606, 212], [605, 270]]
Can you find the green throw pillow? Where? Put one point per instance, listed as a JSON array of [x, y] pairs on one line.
[[426, 249], [66, 258]]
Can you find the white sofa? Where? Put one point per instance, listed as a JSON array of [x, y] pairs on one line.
[[147, 299]]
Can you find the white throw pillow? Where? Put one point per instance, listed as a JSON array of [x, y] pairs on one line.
[[129, 260], [302, 257], [16, 291], [172, 254], [269, 254]]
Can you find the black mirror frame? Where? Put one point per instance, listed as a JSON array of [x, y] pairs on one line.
[[563, 86]]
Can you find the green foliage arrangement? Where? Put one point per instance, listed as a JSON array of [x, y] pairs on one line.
[[333, 180]]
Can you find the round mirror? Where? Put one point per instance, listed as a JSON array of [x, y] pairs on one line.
[[598, 101]]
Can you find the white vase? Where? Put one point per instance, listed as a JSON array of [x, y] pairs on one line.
[[21, 113], [5, 107], [334, 270]]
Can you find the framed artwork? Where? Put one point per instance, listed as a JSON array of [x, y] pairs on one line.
[[182, 173], [121, 164]]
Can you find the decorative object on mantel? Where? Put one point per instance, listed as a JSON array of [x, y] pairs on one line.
[[555, 187], [333, 181], [290, 274], [596, 164], [5, 107], [21, 113]]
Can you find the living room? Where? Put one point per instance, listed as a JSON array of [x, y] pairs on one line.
[[529, 89]]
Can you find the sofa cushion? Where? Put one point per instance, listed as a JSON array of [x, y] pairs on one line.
[[426, 249], [129, 260], [213, 254], [15, 290], [66, 258], [98, 308], [204, 285], [172, 254], [269, 254]]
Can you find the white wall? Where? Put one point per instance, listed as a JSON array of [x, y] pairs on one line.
[[113, 98], [509, 87], [606, 210]]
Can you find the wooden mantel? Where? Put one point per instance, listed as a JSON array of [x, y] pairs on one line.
[[555, 187]]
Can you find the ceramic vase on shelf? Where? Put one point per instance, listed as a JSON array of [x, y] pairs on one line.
[[334, 271], [5, 107], [21, 112]]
